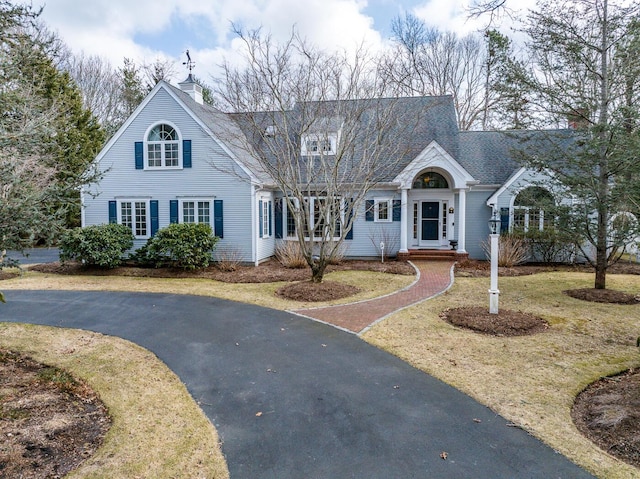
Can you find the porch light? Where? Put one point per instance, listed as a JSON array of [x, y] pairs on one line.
[[451, 210], [494, 293]]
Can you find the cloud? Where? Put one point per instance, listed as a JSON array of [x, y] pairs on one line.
[[147, 29]]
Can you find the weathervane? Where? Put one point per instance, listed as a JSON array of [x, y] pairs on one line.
[[189, 63]]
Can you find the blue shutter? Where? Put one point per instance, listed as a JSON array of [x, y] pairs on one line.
[[186, 153], [504, 218], [218, 221], [153, 207], [113, 212], [270, 219], [260, 218], [349, 205], [173, 211], [397, 210], [139, 155], [279, 217], [368, 210]]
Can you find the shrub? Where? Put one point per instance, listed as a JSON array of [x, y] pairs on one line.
[[290, 255], [548, 246], [512, 250], [99, 245], [228, 259], [183, 245]]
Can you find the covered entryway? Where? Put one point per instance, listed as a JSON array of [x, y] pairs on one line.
[[433, 223], [433, 187]]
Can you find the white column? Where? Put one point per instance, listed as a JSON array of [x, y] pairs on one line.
[[462, 221], [403, 221], [494, 292]]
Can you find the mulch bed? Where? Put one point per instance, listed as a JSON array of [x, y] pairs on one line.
[[49, 422], [268, 272], [608, 413], [505, 323], [314, 292], [603, 296]]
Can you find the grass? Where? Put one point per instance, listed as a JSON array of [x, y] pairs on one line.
[[530, 380], [158, 430], [370, 283]]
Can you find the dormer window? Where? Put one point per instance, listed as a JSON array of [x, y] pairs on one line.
[[163, 147], [318, 145]]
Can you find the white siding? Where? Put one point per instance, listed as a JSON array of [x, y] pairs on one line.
[[210, 176]]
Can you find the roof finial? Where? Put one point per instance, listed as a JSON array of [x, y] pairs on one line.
[[190, 64]]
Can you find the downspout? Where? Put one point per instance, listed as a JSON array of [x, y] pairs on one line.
[[254, 221]]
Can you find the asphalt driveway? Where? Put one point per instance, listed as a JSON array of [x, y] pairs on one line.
[[332, 406]]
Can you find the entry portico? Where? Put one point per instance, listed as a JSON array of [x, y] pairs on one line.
[[433, 202]]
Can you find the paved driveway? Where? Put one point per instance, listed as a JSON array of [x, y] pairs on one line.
[[35, 255], [332, 406]]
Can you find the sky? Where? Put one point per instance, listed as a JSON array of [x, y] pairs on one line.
[[146, 30]]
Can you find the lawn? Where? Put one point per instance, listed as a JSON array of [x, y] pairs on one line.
[[157, 429], [530, 380]]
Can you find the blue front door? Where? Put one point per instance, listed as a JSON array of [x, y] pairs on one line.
[[430, 218]]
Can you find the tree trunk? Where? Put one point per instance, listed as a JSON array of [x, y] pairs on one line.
[[317, 271]]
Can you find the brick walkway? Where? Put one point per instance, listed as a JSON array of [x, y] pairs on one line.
[[435, 277]]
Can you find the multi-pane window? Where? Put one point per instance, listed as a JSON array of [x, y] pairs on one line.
[[134, 214], [319, 144], [529, 209], [323, 216], [196, 211], [444, 220], [382, 210], [266, 209], [163, 147]]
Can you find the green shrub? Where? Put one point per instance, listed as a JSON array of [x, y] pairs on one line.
[[182, 245], [100, 245], [548, 246]]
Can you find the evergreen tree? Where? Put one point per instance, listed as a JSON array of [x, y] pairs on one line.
[[586, 70]]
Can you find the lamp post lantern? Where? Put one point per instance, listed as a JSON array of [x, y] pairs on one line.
[[494, 293]]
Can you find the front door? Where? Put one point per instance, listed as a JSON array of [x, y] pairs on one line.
[[430, 222]]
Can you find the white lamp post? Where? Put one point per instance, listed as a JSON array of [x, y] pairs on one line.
[[382, 250], [494, 293]]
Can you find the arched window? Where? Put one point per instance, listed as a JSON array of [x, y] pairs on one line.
[[430, 179], [529, 209], [163, 147]]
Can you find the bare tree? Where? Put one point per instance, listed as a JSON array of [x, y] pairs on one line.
[[100, 86], [425, 61], [316, 124]]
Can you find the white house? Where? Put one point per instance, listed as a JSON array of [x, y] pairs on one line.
[[170, 163]]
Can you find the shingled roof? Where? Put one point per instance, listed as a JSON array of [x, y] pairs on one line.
[[492, 157], [489, 156]]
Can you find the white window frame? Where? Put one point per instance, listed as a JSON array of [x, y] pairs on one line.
[[376, 210], [182, 201], [133, 202], [266, 207], [527, 219], [319, 144], [163, 144], [310, 200]]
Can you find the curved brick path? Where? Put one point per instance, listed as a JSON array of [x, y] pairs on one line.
[[434, 277]]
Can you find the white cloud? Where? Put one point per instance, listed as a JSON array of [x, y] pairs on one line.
[[114, 29]]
